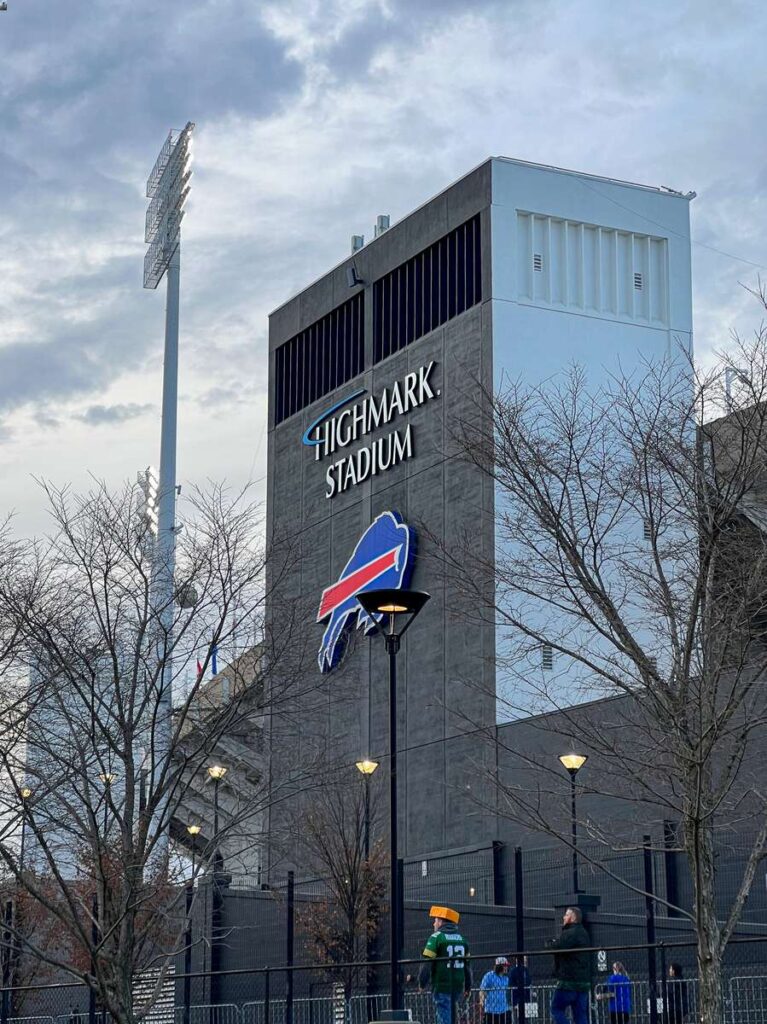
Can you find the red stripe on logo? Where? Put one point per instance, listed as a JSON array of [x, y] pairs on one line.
[[339, 592]]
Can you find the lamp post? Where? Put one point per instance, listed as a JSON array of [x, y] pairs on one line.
[[216, 772], [573, 763], [107, 778], [25, 793], [193, 830], [392, 612], [367, 767]]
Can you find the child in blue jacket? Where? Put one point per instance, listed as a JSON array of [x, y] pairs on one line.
[[618, 987]]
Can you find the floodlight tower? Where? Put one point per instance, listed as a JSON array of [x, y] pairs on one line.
[[167, 187]]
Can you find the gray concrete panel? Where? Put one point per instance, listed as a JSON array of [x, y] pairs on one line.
[[469, 195], [284, 323]]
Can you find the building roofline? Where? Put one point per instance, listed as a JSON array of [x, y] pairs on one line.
[[661, 190], [658, 190], [373, 241]]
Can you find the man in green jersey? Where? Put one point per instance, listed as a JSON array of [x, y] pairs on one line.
[[447, 967]]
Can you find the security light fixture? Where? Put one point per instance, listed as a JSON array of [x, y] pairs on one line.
[[25, 792], [352, 277], [367, 767], [217, 771], [194, 830]]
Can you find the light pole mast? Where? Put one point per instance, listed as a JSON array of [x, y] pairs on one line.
[[167, 187]]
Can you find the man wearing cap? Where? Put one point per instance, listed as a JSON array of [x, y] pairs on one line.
[[494, 993], [447, 968]]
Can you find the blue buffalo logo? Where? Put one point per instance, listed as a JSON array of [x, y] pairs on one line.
[[383, 558]]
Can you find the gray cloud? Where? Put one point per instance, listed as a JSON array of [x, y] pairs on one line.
[[313, 118], [100, 415]]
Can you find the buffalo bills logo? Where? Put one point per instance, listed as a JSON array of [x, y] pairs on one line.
[[383, 558]]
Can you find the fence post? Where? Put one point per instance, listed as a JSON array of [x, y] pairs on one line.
[[671, 870], [453, 1016], [519, 915], [188, 952], [94, 943], [289, 952], [5, 1003], [266, 995], [652, 969], [664, 976]]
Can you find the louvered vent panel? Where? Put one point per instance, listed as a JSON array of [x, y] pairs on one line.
[[592, 269]]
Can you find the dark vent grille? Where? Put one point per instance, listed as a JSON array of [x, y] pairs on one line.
[[537, 262], [638, 282], [323, 357], [547, 658], [647, 530], [429, 289]]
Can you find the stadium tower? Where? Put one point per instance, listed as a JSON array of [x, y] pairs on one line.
[[516, 269]]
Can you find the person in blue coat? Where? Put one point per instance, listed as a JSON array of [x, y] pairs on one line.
[[494, 993], [618, 991]]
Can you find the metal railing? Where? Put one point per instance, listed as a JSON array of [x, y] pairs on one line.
[[745, 1003]]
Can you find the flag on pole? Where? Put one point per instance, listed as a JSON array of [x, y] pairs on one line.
[[214, 660]]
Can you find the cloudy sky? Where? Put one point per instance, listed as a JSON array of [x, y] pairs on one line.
[[312, 117]]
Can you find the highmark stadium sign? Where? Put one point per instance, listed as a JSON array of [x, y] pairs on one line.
[[343, 424]]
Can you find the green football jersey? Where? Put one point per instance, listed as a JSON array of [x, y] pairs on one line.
[[448, 974]]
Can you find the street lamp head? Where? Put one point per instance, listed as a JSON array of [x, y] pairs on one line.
[[399, 606], [573, 762], [194, 830], [25, 792], [217, 771], [107, 778], [367, 767]]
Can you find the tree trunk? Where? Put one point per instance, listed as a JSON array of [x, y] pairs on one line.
[[700, 851], [710, 999]]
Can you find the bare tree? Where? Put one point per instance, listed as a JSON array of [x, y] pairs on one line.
[[335, 836], [630, 561], [91, 796]]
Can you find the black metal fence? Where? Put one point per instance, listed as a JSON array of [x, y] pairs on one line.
[[353, 994]]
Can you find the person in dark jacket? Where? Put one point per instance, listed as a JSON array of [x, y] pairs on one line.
[[520, 984], [677, 996], [572, 969]]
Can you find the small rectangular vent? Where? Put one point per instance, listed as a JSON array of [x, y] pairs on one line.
[[653, 664], [638, 282], [547, 658], [647, 530], [537, 262]]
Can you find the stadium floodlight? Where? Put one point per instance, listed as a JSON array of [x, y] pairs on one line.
[[167, 187], [149, 484]]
